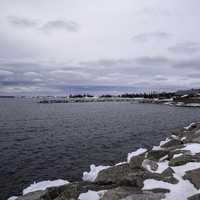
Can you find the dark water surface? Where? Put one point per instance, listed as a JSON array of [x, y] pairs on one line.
[[51, 141]]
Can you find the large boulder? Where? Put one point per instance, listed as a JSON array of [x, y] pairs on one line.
[[146, 196], [161, 177], [194, 136], [129, 193], [38, 195], [156, 155], [121, 175], [136, 161], [184, 159], [72, 190], [119, 193], [194, 177]]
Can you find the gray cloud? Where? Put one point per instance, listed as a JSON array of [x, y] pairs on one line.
[[49, 26], [185, 48], [149, 72], [192, 63], [160, 78], [22, 22], [155, 11], [5, 73], [145, 37], [152, 60], [55, 25]]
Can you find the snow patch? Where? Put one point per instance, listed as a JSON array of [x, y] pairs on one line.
[[177, 155], [13, 198], [180, 191], [164, 142], [189, 126], [135, 153], [93, 173], [91, 195], [43, 185], [183, 138], [121, 163], [192, 147], [175, 137], [193, 104], [156, 148], [163, 158], [162, 166]]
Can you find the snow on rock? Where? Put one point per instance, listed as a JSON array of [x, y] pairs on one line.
[[156, 148], [91, 195], [162, 166], [180, 104], [185, 95], [13, 198], [175, 137], [180, 170], [121, 163], [177, 155], [189, 126], [43, 185], [135, 153], [193, 104], [180, 191], [168, 103], [146, 164], [163, 158], [164, 142], [93, 173], [183, 138], [192, 147]]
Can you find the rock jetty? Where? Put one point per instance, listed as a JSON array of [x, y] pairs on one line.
[[168, 171]]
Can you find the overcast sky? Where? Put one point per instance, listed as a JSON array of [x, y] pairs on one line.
[[46, 45]]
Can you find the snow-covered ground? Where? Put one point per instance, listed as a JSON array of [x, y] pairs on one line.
[[180, 191]]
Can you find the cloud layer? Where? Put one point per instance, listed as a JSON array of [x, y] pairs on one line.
[[49, 26], [47, 46]]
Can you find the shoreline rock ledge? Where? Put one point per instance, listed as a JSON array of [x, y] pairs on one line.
[[168, 171]]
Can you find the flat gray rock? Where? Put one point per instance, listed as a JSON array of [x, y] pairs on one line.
[[157, 154], [145, 196], [194, 197], [194, 177], [38, 195], [121, 175], [183, 159]]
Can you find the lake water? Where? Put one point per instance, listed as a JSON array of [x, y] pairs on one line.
[[51, 141]]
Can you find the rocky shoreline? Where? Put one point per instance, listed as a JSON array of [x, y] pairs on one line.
[[168, 171], [169, 102]]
